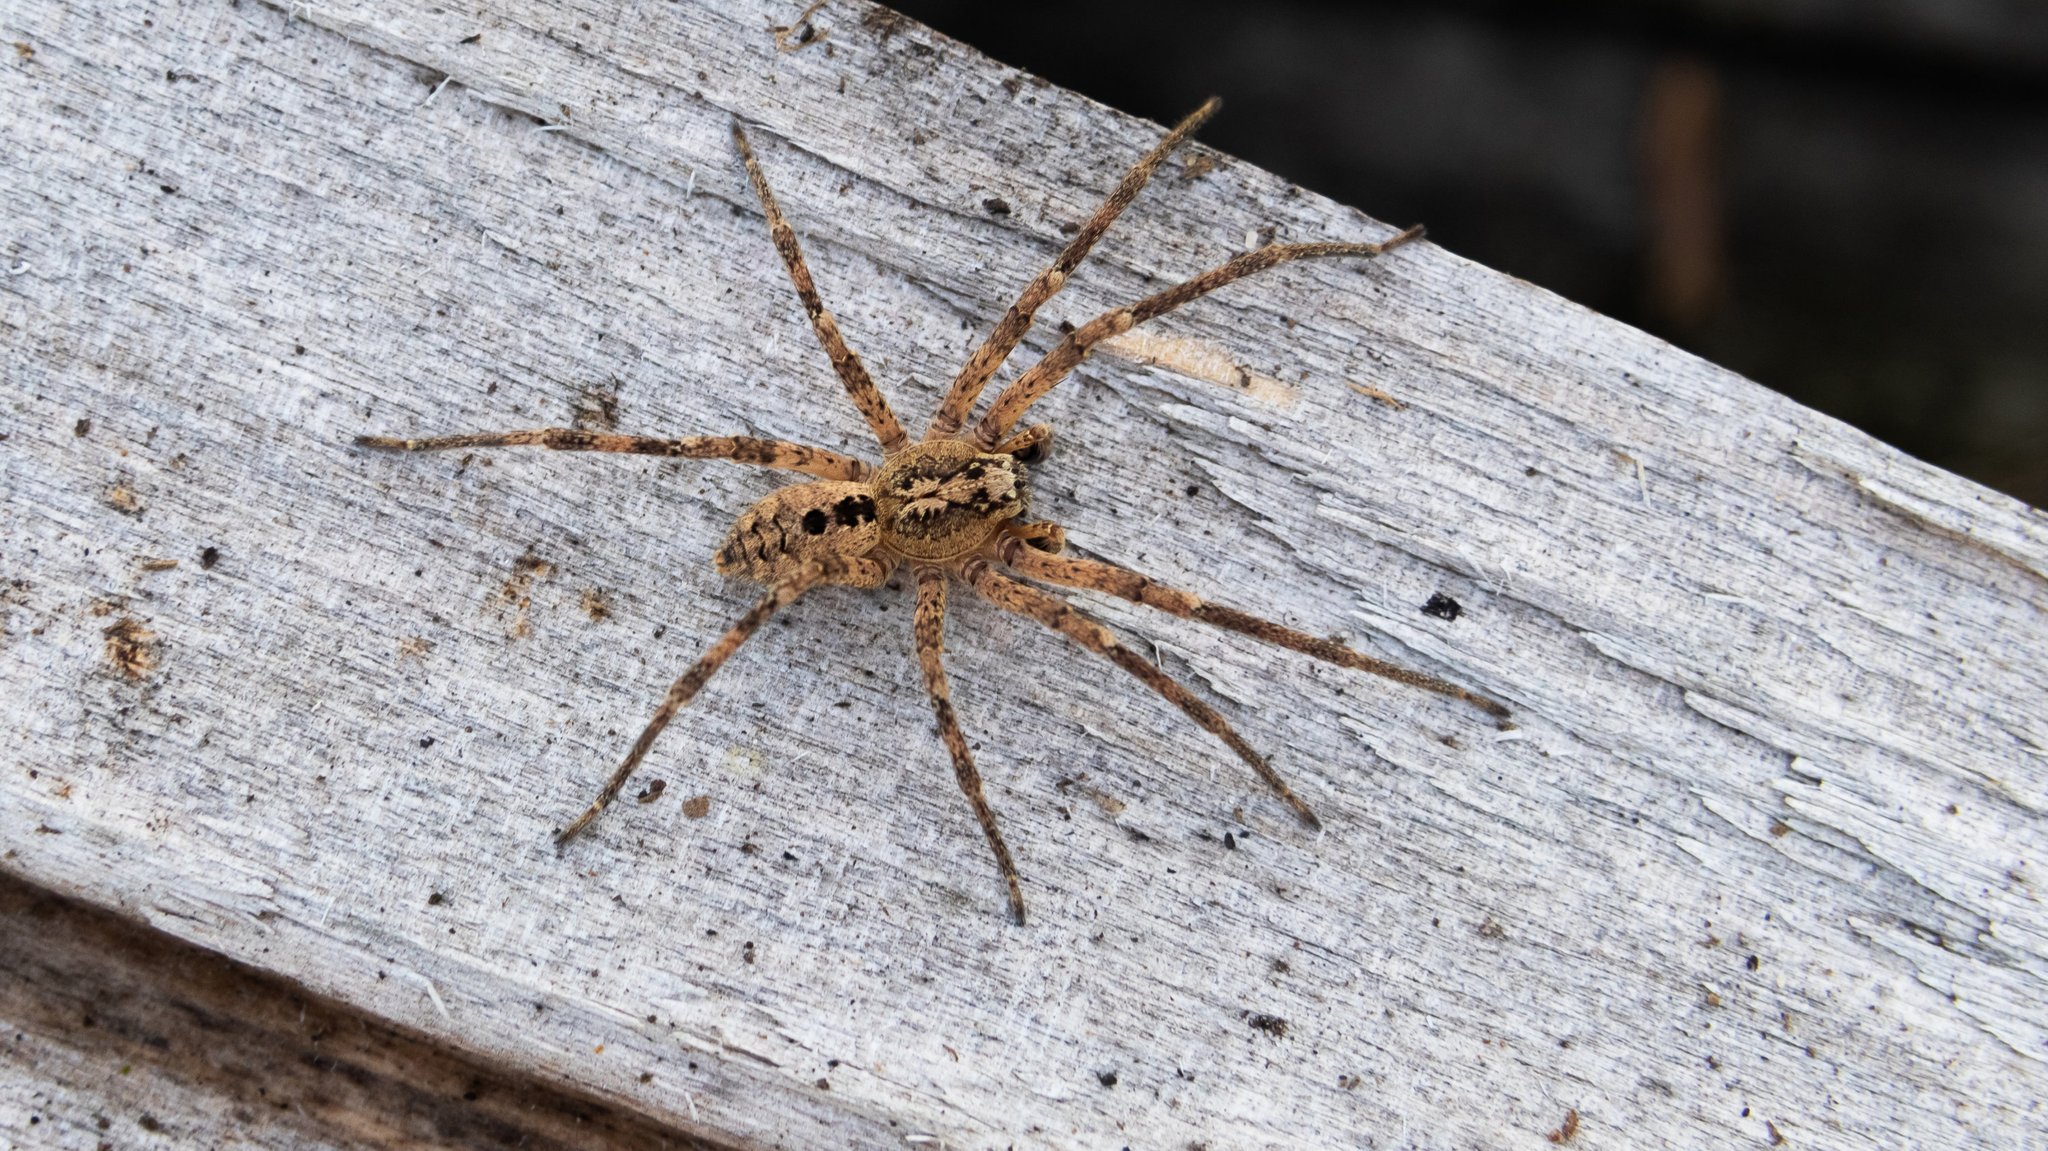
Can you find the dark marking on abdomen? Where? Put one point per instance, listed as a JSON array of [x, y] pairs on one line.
[[854, 511]]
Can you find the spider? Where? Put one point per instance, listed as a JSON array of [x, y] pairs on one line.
[[952, 505]]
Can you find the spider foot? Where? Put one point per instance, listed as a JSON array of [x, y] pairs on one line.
[[1414, 233], [576, 827]]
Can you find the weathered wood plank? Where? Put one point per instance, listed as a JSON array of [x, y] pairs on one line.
[[1756, 859], [118, 1036]]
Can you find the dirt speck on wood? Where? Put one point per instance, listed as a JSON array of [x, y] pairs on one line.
[[596, 409], [132, 648], [517, 591]]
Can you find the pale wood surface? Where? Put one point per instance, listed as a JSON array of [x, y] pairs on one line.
[[118, 1036], [1760, 860]]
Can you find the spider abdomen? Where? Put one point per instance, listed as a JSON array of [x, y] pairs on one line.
[[789, 526], [943, 499]]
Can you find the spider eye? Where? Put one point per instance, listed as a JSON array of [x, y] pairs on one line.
[[814, 522]]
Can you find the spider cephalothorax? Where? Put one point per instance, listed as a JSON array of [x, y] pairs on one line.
[[951, 506], [943, 499]]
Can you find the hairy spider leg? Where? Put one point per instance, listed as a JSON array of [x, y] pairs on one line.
[[974, 375], [930, 631], [859, 385], [1071, 622], [1067, 571], [1027, 389], [690, 682], [741, 449]]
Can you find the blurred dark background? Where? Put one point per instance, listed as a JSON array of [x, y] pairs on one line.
[[1845, 200]]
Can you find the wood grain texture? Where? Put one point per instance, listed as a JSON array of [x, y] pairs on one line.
[[1760, 860], [118, 1036]]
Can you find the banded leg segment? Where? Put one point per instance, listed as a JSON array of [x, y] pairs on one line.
[[740, 449], [859, 385], [931, 649], [1030, 387], [1138, 588], [1003, 340], [687, 685], [1069, 621]]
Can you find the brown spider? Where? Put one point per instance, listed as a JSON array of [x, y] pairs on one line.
[[952, 506]]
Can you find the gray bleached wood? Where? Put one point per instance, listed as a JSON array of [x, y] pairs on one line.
[[1758, 860]]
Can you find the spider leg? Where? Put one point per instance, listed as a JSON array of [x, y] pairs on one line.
[[931, 650], [859, 384], [1141, 589], [1030, 387], [974, 375], [743, 449], [1069, 621], [690, 682]]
